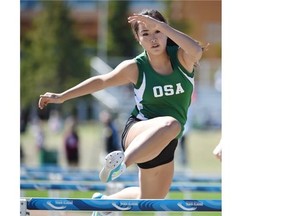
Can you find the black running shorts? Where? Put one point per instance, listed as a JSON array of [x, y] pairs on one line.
[[165, 156]]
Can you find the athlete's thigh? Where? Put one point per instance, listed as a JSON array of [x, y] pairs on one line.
[[155, 182], [141, 126]]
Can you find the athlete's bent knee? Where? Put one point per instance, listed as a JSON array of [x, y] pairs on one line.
[[172, 124]]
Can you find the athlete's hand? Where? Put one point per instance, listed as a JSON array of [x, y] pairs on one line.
[[49, 97], [147, 21], [218, 151]]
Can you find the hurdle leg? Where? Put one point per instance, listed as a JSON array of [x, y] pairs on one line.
[[187, 195], [112, 188], [23, 207]]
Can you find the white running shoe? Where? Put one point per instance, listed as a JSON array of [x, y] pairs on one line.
[[100, 196], [113, 166]]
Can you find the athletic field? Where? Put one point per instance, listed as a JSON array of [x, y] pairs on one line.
[[201, 161]]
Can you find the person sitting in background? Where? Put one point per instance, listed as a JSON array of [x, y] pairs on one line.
[[71, 143], [111, 136]]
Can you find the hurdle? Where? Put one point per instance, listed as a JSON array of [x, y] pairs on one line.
[[43, 172], [93, 176], [72, 204], [102, 187]]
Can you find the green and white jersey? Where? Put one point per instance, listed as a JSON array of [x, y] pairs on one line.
[[163, 95]]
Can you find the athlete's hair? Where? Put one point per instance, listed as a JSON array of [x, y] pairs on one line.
[[156, 15]]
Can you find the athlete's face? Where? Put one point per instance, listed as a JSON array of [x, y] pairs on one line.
[[153, 41]]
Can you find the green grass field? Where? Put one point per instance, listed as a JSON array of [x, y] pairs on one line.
[[201, 161], [200, 145]]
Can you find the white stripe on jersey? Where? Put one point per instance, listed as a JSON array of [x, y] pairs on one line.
[[189, 78], [139, 97]]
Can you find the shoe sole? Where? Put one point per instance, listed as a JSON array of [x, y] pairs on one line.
[[113, 163]]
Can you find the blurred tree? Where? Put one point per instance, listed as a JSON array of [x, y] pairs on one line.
[[121, 41], [52, 58], [180, 22]]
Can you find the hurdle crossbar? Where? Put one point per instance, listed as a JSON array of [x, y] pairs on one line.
[[102, 187], [94, 177], [71, 204], [48, 172]]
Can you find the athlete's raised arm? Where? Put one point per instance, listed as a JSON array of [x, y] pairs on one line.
[[124, 73], [190, 50]]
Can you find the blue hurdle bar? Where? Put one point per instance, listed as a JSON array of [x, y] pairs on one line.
[[102, 187], [86, 176], [67, 204], [76, 174]]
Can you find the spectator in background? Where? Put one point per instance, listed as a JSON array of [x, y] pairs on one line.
[[54, 121], [187, 129], [22, 156], [39, 136], [71, 143], [111, 136], [183, 140], [24, 118]]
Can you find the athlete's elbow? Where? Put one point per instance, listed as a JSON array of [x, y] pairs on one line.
[[197, 54]]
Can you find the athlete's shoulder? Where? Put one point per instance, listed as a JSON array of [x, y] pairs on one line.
[[129, 64], [130, 69]]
